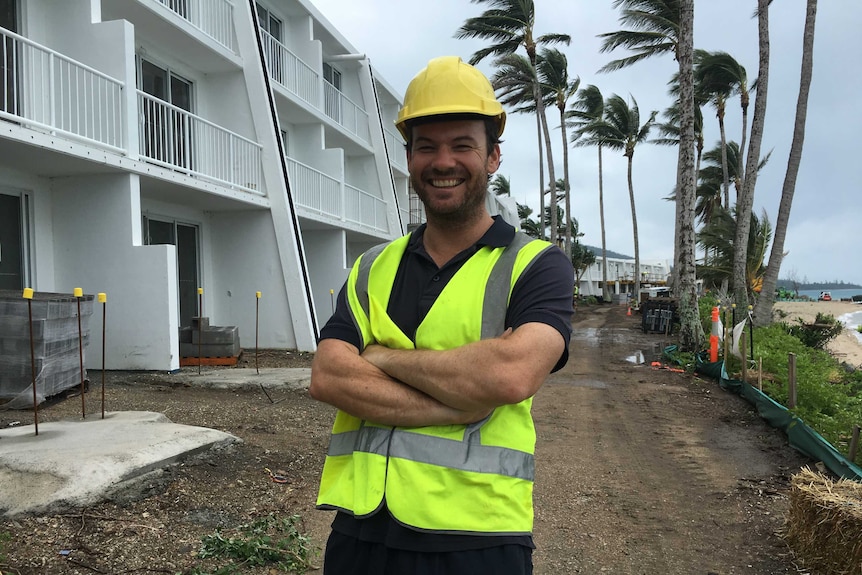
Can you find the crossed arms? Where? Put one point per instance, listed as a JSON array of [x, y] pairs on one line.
[[430, 387]]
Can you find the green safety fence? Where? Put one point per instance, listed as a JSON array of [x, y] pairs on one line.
[[800, 436]]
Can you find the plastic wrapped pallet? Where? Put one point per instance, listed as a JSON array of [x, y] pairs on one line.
[[55, 345]]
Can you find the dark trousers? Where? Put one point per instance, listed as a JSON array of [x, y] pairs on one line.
[[349, 556]]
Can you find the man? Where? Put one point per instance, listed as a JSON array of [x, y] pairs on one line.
[[437, 345]]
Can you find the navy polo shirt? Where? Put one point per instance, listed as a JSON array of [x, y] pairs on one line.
[[542, 294]]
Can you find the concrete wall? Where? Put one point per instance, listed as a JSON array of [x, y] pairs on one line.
[[245, 261], [97, 247], [329, 269]]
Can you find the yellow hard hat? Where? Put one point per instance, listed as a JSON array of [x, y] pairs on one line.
[[447, 85]]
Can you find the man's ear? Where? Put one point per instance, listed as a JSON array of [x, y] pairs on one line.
[[494, 159]]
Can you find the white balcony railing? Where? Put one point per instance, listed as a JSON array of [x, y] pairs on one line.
[[395, 147], [345, 111], [314, 190], [174, 138], [364, 209], [326, 196], [52, 92], [212, 17], [289, 71]]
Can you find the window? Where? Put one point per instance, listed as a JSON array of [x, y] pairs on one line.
[[166, 135], [332, 76], [269, 23], [332, 92]]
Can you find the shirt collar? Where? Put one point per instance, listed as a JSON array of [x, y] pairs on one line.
[[499, 235]]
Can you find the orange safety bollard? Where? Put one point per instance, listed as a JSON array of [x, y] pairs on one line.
[[630, 311], [713, 338]]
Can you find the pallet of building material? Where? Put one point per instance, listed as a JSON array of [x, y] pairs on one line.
[[824, 525]]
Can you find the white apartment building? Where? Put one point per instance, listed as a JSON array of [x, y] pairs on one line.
[[149, 148], [621, 276]]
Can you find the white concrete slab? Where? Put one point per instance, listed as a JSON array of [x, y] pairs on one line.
[[75, 463]]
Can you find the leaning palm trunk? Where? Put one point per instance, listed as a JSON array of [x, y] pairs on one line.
[[605, 290], [725, 170], [763, 309], [568, 195], [746, 198], [637, 277], [691, 331], [541, 178], [552, 200]]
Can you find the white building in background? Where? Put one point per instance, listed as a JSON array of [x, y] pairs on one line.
[[152, 147], [621, 275]]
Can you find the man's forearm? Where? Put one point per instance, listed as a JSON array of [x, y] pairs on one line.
[[480, 375], [343, 379]]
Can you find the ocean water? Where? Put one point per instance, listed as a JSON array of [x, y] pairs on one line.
[[837, 294], [852, 321]]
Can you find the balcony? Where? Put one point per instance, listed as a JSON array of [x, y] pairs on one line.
[[212, 17], [44, 90], [289, 71], [329, 199], [177, 139], [395, 146]]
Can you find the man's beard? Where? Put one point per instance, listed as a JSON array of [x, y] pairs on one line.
[[470, 206]]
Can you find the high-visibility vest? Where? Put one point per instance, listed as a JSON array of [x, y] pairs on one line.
[[464, 479]]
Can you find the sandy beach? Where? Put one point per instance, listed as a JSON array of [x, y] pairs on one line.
[[846, 347]]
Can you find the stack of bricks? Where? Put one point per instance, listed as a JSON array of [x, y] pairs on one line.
[[57, 348], [209, 345]]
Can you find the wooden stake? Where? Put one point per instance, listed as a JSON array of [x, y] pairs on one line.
[[103, 299], [854, 444]]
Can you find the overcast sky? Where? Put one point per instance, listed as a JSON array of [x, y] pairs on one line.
[[823, 238]]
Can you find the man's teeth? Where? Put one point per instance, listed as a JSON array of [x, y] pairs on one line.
[[445, 183]]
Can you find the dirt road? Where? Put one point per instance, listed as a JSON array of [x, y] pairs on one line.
[[639, 471]]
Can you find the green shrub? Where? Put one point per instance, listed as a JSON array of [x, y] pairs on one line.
[[265, 541], [824, 329], [829, 398]]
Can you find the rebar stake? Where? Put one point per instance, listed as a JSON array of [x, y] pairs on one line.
[[200, 325], [103, 299], [256, 328], [28, 295], [79, 293]]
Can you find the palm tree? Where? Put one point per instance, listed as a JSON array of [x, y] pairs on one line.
[[553, 74], [691, 330], [745, 201], [669, 130], [509, 24], [622, 130], [763, 309], [515, 81], [585, 114], [528, 225], [657, 27], [717, 77], [653, 30], [718, 238], [500, 185]]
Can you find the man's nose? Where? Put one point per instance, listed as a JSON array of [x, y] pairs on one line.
[[444, 158]]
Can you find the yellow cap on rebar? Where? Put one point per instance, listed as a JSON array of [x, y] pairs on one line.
[[103, 297], [200, 291], [78, 292], [257, 294], [28, 293]]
